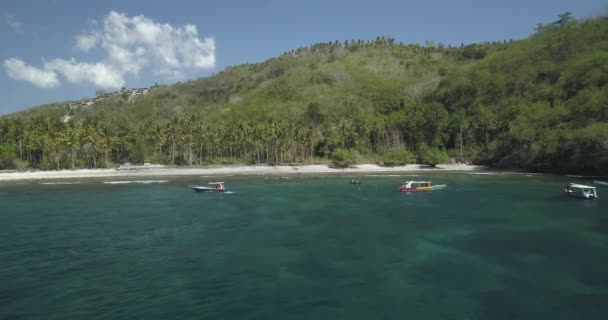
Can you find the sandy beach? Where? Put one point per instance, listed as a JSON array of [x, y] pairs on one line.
[[222, 170]]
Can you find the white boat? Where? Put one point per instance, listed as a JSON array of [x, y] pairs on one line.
[[216, 187], [601, 183], [581, 191]]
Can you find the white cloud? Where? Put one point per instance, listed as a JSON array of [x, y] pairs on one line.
[[18, 70], [100, 74], [86, 42], [14, 23], [132, 44]]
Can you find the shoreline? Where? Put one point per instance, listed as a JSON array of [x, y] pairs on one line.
[[226, 170]]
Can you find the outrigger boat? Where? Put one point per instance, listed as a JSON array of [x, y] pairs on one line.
[[415, 186], [581, 191], [217, 187]]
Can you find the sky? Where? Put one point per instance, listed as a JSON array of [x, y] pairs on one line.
[[59, 50]]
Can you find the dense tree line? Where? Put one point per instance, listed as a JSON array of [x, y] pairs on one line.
[[48, 143], [471, 51]]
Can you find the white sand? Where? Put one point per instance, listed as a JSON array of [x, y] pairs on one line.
[[219, 170]]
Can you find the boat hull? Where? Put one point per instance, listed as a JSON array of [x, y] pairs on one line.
[[206, 189], [581, 196]]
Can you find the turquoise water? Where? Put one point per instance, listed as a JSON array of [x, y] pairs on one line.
[[486, 247]]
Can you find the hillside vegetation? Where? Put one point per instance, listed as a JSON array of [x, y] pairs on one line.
[[536, 104]]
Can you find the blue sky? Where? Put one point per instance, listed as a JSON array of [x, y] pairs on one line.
[[65, 50]]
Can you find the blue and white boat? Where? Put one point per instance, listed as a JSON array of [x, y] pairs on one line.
[[214, 187]]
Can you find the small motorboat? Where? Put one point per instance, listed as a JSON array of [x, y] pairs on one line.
[[581, 191], [415, 186], [353, 181], [213, 187], [601, 183]]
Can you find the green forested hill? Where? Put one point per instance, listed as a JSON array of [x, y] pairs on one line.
[[536, 104], [542, 104]]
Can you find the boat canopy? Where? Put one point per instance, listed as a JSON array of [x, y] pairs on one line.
[[580, 186], [418, 182], [219, 182]]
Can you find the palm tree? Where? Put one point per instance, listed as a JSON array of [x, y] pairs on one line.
[[70, 137], [189, 128], [158, 138], [173, 133]]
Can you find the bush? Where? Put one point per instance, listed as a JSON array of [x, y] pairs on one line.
[[397, 157], [21, 164], [6, 150], [434, 156], [79, 163], [7, 157], [47, 164], [7, 163], [342, 158]]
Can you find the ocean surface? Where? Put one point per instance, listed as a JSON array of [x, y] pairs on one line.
[[308, 247]]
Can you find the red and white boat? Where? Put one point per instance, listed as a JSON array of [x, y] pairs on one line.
[[416, 186], [214, 187]]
